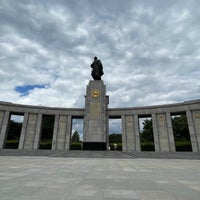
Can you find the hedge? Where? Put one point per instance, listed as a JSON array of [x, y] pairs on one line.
[[76, 146], [183, 145], [12, 144]]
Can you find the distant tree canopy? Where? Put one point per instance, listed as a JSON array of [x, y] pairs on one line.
[[147, 133], [115, 138], [180, 127], [14, 130], [47, 127], [179, 124], [75, 137]]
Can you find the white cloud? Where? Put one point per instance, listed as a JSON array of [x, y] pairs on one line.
[[149, 50]]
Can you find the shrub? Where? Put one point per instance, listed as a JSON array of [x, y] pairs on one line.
[[76, 146], [183, 145], [12, 144], [45, 144], [147, 146]]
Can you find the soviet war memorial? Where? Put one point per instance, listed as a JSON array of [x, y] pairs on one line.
[[171, 127], [99, 100], [166, 123]]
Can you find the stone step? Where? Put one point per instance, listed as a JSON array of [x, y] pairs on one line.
[[65, 153], [100, 154]]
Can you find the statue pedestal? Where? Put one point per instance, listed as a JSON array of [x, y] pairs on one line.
[[96, 122]]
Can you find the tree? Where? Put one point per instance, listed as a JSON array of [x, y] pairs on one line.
[[75, 137], [180, 127], [47, 127], [147, 133], [115, 138], [14, 130]]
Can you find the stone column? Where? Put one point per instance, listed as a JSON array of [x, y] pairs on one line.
[[30, 131], [130, 136], [107, 132], [196, 116], [193, 128], [163, 132], [55, 132], [1, 119], [62, 128], [68, 132], [155, 133], [5, 120], [170, 133], [124, 142], [23, 131], [137, 133], [37, 132], [95, 116]]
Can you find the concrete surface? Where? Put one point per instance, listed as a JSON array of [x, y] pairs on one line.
[[101, 154], [61, 178]]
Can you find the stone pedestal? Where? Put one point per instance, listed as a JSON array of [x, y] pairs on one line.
[[95, 121]]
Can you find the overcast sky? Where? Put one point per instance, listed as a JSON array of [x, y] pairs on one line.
[[150, 51]]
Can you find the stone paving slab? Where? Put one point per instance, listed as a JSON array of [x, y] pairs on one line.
[[55, 178]]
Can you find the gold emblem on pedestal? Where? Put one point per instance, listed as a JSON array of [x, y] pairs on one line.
[[95, 93]]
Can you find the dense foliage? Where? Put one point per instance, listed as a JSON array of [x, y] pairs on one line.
[[115, 138], [180, 130], [75, 137]]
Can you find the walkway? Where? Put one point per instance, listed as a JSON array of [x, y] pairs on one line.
[[61, 178]]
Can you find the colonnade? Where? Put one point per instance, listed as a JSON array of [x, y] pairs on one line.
[[162, 125], [160, 115], [31, 131], [32, 125], [162, 132]]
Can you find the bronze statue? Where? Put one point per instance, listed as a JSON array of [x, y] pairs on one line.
[[97, 69]]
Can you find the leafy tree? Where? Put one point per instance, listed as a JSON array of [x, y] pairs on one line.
[[179, 124], [14, 130], [180, 127], [75, 137], [47, 127], [115, 138], [147, 133]]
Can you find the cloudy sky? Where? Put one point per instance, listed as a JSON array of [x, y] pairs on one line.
[[150, 51]]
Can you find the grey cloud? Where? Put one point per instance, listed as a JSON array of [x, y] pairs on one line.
[[149, 50]]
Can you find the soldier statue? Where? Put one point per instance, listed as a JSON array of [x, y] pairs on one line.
[[97, 69]]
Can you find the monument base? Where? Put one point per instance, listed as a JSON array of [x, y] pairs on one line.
[[98, 146]]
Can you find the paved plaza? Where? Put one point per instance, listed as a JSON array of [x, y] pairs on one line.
[[59, 178]]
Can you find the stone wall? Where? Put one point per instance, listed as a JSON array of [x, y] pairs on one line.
[[161, 121]]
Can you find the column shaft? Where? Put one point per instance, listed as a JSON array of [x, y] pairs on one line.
[[130, 134], [155, 133], [124, 142], [4, 128], [30, 131], [37, 132], [163, 132], [137, 133], [55, 132], [23, 131], [62, 128], [191, 126], [170, 133], [68, 132]]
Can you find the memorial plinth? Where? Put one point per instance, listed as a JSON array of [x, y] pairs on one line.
[[95, 121]]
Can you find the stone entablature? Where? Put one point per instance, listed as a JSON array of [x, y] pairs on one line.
[[19, 108], [161, 119]]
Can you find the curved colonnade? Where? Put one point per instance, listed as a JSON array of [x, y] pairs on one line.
[[161, 121]]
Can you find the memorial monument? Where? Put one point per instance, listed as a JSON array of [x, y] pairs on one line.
[[95, 121], [96, 115]]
